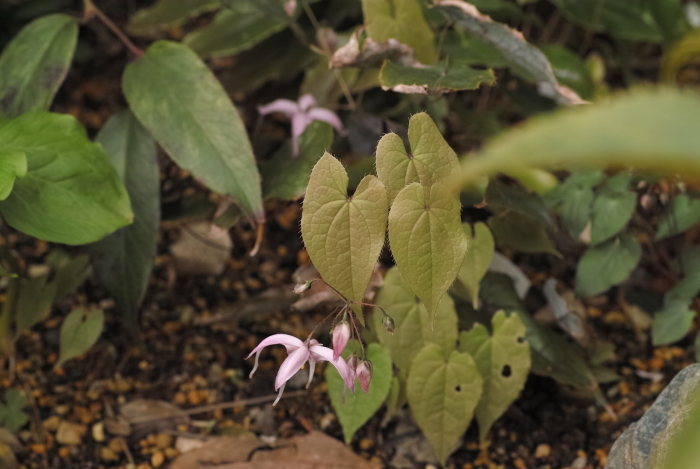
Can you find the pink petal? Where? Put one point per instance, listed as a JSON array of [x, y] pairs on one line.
[[291, 365], [290, 342], [324, 354], [299, 123], [306, 102], [330, 117], [284, 106], [279, 394]]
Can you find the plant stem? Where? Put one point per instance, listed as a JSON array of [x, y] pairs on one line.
[[92, 11]]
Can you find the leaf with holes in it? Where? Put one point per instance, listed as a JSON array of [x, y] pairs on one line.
[[413, 328], [356, 409], [683, 213], [477, 261], [443, 391], [431, 158], [427, 240], [166, 14], [503, 359], [401, 20], [79, 332], [185, 108], [35, 63], [343, 235], [612, 208], [439, 78], [606, 265]]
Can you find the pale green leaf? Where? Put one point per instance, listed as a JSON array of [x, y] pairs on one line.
[[234, 30], [33, 302], [683, 213], [166, 14], [646, 129], [443, 392], [605, 265], [35, 63], [79, 332], [613, 207], [343, 235], [12, 417], [439, 78], [402, 20], [178, 99], [431, 158], [413, 328], [393, 399], [285, 176], [503, 360], [69, 272], [672, 323], [522, 233], [477, 261], [123, 261], [71, 194], [359, 407], [13, 164], [427, 240]]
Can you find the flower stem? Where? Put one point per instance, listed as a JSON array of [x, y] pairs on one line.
[[357, 332], [92, 11]]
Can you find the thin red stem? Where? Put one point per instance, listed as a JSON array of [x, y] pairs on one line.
[[92, 11]]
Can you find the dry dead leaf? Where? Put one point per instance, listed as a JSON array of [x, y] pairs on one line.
[[196, 254], [313, 451], [369, 53]]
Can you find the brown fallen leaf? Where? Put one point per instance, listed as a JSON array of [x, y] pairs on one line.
[[195, 253], [313, 451], [365, 52]]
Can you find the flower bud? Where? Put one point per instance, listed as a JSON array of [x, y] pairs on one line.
[[364, 374], [388, 324], [290, 6], [300, 288], [341, 336], [353, 361]]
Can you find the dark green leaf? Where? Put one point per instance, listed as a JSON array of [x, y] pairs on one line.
[[177, 98], [70, 272], [442, 77], [605, 265], [522, 233], [12, 417], [575, 197], [672, 323], [165, 14], [33, 303], [71, 193], [503, 197], [123, 260], [612, 208], [569, 70], [79, 332], [13, 164], [35, 63], [683, 213]]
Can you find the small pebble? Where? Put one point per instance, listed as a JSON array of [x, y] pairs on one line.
[[163, 440], [366, 444], [107, 454], [157, 459], [98, 432], [542, 451]]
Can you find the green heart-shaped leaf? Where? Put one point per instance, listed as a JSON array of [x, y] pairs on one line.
[[79, 332], [431, 158], [442, 77], [683, 213], [672, 323], [477, 261], [413, 329], [606, 265], [343, 235], [360, 407], [613, 207], [427, 240], [503, 359], [443, 392], [575, 198]]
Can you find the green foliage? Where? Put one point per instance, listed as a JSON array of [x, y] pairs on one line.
[[442, 77], [178, 99], [443, 391], [35, 63], [522, 233], [13, 164], [503, 360], [613, 207], [123, 260], [69, 272], [413, 328], [12, 417], [64, 171], [343, 235], [354, 410], [477, 261], [79, 332], [34, 302], [427, 240], [165, 14], [607, 264], [683, 213], [672, 323], [570, 70], [574, 199]]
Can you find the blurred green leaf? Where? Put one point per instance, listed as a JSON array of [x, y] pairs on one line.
[[569, 69], [477, 261], [33, 302], [510, 198], [65, 171], [69, 272], [356, 409], [574, 197], [612, 208], [522, 233], [178, 99], [79, 332], [166, 14], [12, 417], [123, 261], [606, 265], [442, 77], [683, 213], [13, 164], [672, 323], [35, 63]]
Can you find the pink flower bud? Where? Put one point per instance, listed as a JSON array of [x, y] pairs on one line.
[[364, 374], [388, 324], [353, 361], [341, 336], [290, 6]]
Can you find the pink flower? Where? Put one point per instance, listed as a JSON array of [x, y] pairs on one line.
[[299, 353], [341, 336], [364, 374], [302, 113]]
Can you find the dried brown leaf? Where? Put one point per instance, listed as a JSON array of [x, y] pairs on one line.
[[369, 53]]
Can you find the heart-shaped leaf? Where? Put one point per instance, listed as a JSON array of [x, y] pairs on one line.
[[123, 260], [672, 323], [427, 240], [360, 407], [605, 265], [65, 171], [413, 329], [443, 392], [477, 261], [442, 77], [35, 63], [683, 213], [182, 104], [613, 207], [343, 235], [575, 198], [503, 359], [13, 165], [79, 332], [431, 158]]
